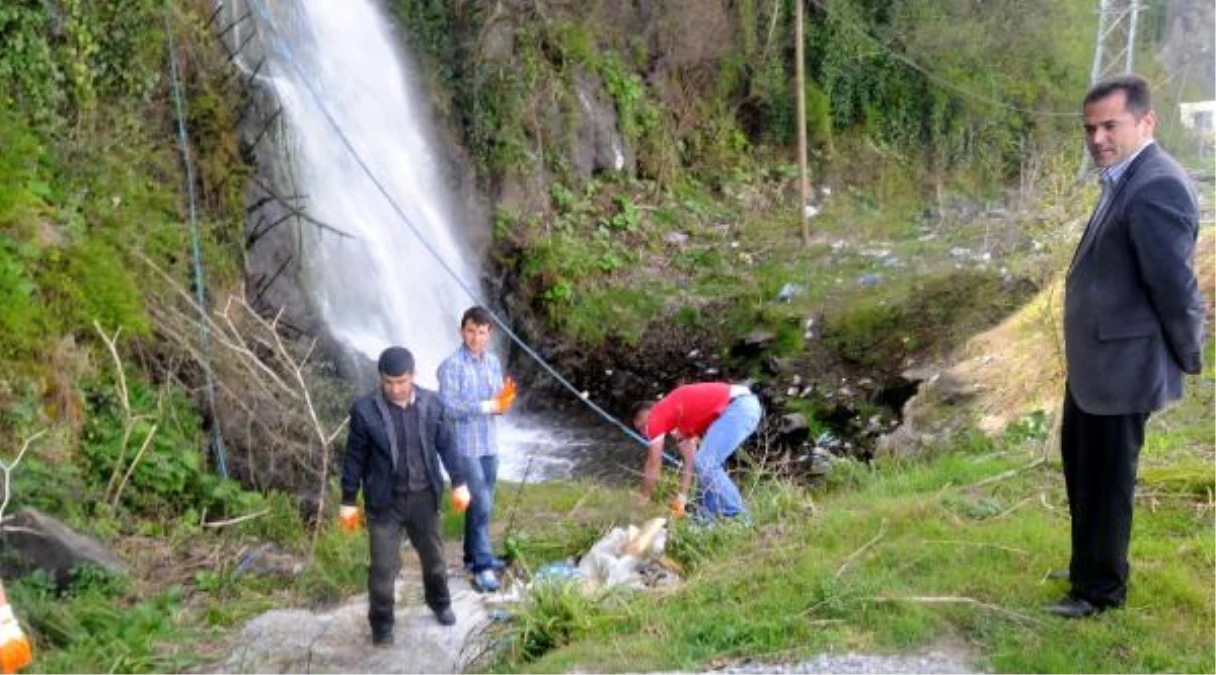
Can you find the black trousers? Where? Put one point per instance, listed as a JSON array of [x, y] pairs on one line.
[[416, 514], [1100, 455]]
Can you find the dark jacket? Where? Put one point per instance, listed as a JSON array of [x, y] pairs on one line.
[[1133, 315], [372, 449]]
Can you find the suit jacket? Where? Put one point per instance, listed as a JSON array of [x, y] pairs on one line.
[[1133, 315], [372, 449]]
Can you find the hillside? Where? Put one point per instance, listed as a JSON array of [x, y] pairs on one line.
[[626, 173]]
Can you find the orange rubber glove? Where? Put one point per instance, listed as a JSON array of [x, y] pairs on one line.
[[349, 517], [505, 397], [461, 499], [15, 650], [677, 507]]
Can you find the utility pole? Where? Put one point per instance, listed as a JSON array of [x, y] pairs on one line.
[[804, 186], [1114, 47]]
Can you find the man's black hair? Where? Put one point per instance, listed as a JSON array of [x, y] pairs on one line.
[[478, 316], [1136, 88], [395, 362]]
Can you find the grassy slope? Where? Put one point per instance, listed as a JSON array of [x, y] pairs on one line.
[[809, 579]]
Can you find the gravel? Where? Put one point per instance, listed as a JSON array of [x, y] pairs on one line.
[[850, 663]]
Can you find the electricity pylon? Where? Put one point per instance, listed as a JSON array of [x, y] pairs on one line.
[[1114, 47]]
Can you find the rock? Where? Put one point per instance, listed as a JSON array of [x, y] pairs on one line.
[[775, 366], [753, 343], [952, 390], [794, 427], [598, 146], [33, 540], [269, 560]]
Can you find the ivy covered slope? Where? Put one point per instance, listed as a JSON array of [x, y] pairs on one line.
[[641, 158], [92, 202]]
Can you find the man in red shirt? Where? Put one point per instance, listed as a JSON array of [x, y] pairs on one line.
[[709, 421]]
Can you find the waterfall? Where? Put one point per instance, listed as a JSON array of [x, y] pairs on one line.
[[370, 277], [366, 271]]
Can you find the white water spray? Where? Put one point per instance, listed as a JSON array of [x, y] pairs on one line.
[[378, 286]]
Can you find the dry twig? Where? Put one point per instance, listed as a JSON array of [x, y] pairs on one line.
[[981, 544], [7, 468], [238, 519], [1008, 474], [959, 600], [882, 530]]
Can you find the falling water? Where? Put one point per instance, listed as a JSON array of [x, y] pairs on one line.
[[368, 272]]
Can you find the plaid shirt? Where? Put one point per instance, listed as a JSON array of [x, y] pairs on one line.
[[465, 383]]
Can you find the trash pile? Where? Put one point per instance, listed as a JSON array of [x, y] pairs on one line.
[[630, 558]]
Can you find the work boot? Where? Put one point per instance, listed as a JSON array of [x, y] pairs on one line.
[[382, 638], [497, 564], [1074, 608], [485, 581], [445, 616]]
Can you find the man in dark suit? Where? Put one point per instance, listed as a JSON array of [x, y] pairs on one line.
[[1133, 324], [396, 433]]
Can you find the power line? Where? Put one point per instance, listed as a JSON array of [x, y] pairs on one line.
[[183, 142]]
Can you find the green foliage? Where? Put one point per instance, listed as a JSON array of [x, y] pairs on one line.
[[934, 314], [90, 282], [340, 567], [162, 452], [60, 64], [22, 318], [1030, 428], [94, 626], [89, 173], [553, 615], [167, 475], [28, 68], [847, 566], [693, 545], [627, 218]]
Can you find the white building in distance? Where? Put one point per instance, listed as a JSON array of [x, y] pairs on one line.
[[1200, 118]]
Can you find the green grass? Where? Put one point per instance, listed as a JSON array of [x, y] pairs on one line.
[[852, 566]]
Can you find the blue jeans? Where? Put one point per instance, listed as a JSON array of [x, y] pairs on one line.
[[717, 495], [482, 476]]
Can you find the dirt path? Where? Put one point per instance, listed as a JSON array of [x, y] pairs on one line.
[[338, 639]]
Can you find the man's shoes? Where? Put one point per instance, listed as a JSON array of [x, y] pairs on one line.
[[382, 638], [485, 581], [445, 616], [496, 564], [1074, 608]]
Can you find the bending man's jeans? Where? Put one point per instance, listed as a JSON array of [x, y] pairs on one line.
[[416, 513], [717, 495], [482, 473]]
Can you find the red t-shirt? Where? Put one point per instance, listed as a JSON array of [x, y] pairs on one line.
[[689, 409]]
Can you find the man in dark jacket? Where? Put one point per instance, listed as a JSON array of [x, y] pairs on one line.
[[395, 435], [1133, 324]]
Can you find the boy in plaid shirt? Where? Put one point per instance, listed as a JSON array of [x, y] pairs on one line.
[[474, 391]]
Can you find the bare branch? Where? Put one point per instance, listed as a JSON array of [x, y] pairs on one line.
[[981, 544], [7, 468], [1008, 474], [134, 462], [882, 530], [239, 519], [123, 397], [958, 600]]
